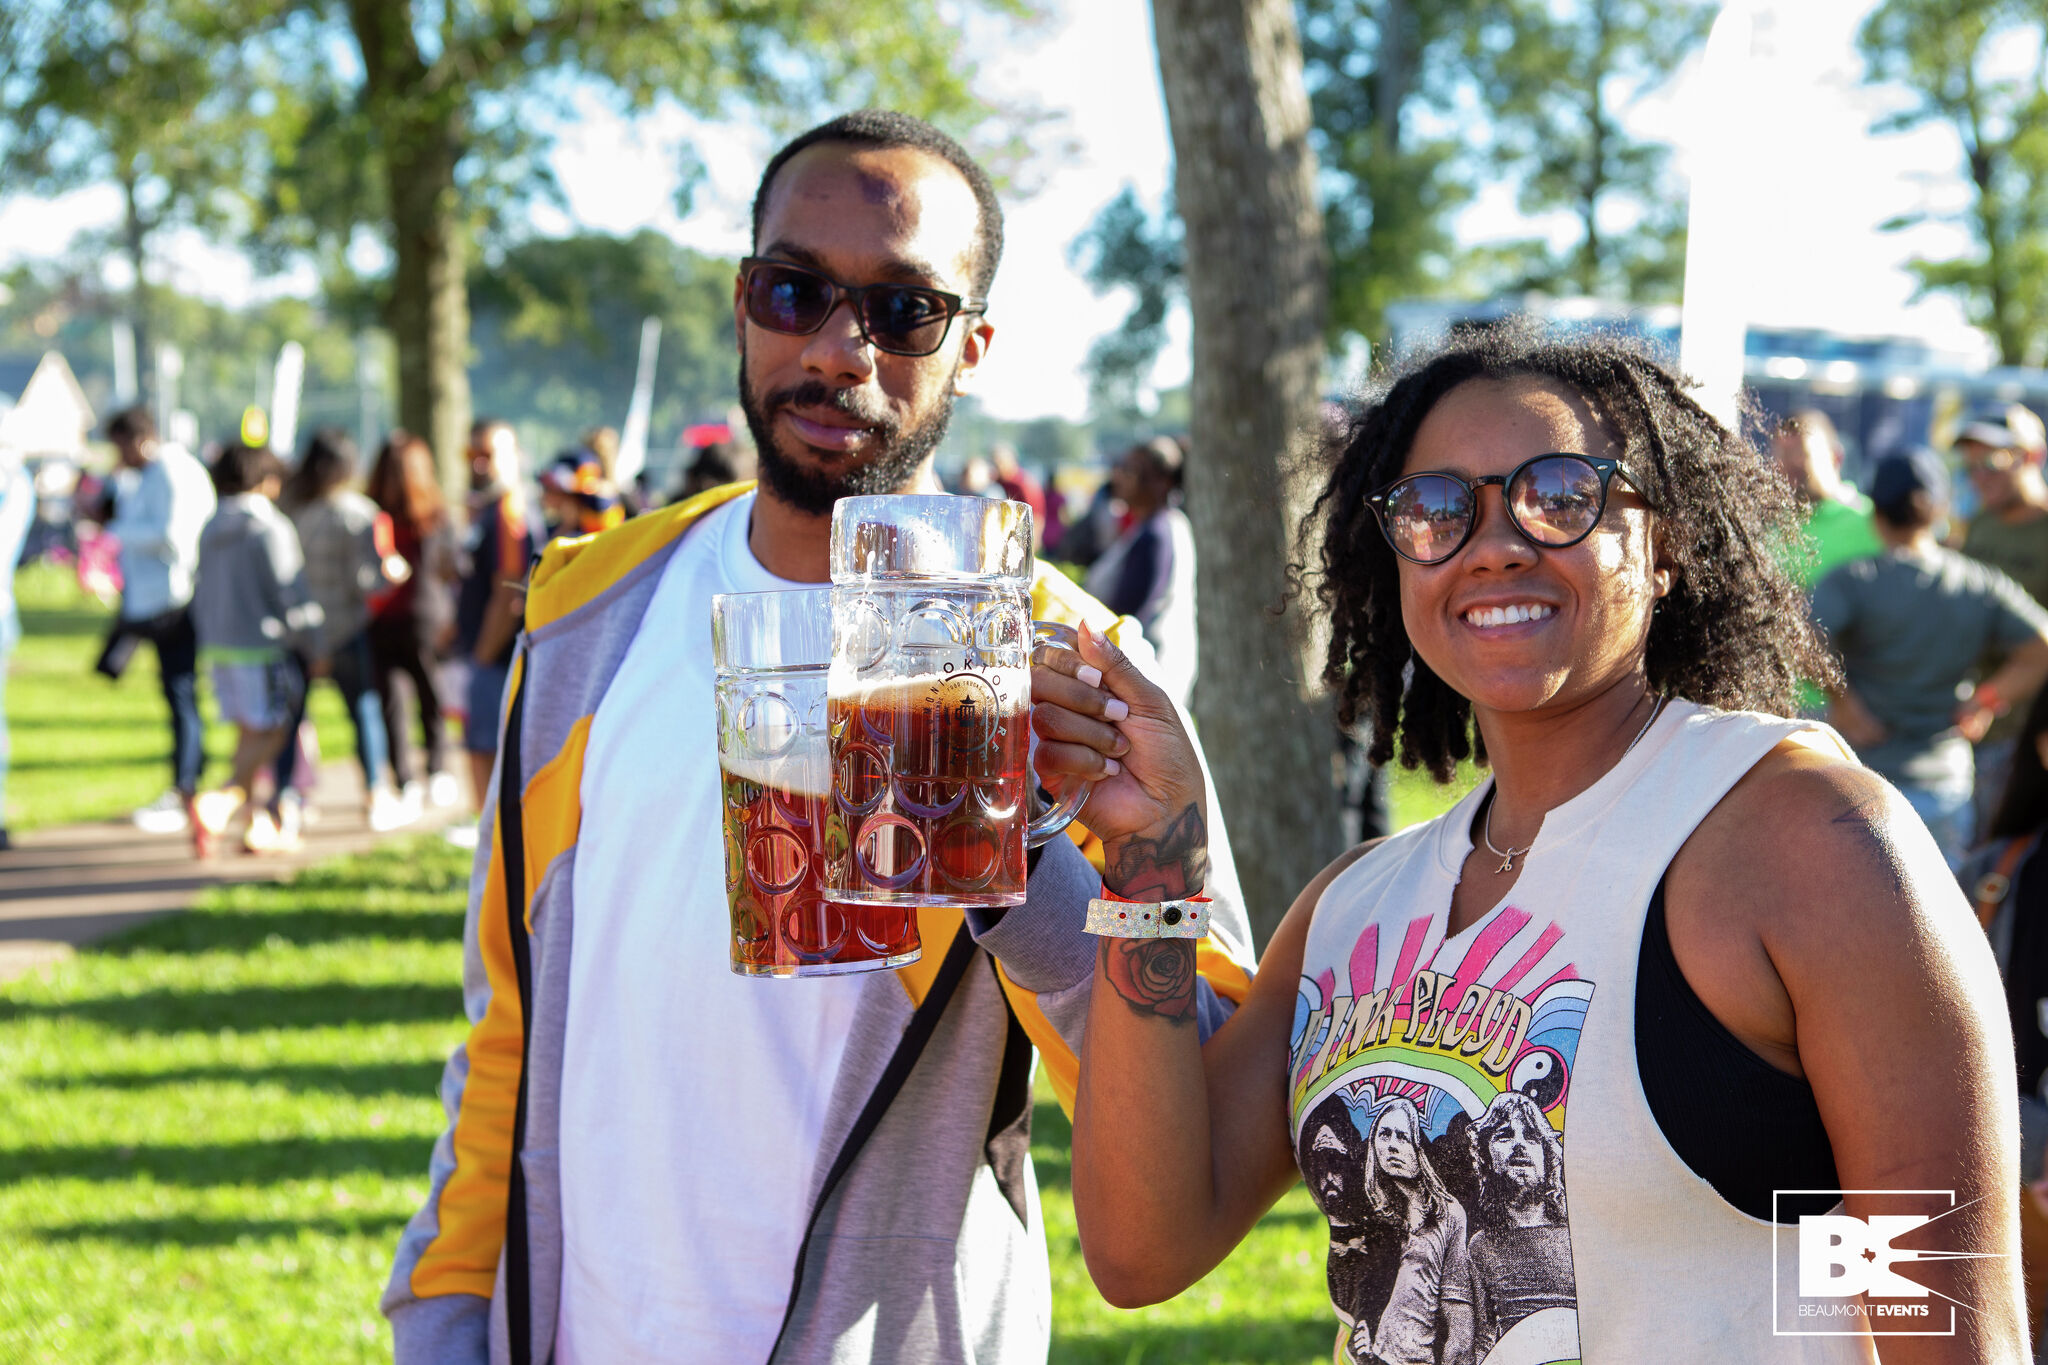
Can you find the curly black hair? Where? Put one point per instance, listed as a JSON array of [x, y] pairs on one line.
[[1734, 631]]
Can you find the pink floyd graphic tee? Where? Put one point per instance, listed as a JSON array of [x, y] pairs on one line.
[[1465, 1107]]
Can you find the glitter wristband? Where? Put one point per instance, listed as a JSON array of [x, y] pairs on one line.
[[1111, 916]]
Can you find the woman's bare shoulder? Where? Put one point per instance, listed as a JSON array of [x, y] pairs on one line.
[[1812, 840]]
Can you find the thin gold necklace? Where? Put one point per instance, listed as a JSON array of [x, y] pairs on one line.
[[1507, 856]]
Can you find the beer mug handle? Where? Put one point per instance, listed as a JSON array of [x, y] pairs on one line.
[[1061, 813]]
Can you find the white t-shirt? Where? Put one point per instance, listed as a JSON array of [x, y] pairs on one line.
[[693, 1100]]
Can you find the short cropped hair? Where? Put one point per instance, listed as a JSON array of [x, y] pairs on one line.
[[243, 468], [886, 129], [131, 424]]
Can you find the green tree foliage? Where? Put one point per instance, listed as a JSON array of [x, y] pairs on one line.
[[557, 336], [1414, 103], [1126, 247], [441, 127], [1387, 80], [229, 352], [1980, 67], [1556, 84], [154, 96]]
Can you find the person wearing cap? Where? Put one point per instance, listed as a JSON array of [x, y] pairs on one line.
[[576, 496], [2002, 449], [1911, 625]]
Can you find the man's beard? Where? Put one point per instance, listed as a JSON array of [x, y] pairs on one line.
[[888, 470]]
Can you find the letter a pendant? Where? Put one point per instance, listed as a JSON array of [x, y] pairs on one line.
[[1507, 861]]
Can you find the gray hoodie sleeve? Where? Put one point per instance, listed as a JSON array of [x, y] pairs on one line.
[[292, 604]]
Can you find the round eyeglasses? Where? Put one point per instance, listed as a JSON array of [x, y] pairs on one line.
[[1554, 500], [901, 319]]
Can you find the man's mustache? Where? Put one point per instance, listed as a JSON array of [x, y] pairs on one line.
[[815, 393]]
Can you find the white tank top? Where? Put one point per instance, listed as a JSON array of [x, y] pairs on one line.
[[1431, 1077]]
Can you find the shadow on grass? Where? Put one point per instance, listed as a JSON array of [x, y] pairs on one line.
[[218, 1232], [74, 621], [1238, 1341], [254, 1008], [225, 1163], [410, 1080], [148, 724], [215, 931], [103, 765]]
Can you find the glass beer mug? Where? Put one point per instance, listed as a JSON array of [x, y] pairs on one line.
[[929, 702], [769, 656]]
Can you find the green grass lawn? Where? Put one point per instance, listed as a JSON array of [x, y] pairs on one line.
[[216, 1125], [85, 748], [212, 1128]]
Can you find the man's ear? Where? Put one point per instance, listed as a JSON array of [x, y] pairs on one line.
[[972, 350], [739, 315]]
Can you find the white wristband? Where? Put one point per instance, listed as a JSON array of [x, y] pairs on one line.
[[1148, 919]]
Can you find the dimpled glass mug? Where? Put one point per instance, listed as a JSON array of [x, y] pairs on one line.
[[769, 655], [929, 702]]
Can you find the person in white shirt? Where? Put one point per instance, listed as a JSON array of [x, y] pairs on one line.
[[648, 1158], [163, 498]]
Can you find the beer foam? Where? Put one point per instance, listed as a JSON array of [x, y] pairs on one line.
[[1011, 686], [803, 769]]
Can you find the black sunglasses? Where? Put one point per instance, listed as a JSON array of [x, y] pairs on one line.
[[901, 319], [1555, 501]]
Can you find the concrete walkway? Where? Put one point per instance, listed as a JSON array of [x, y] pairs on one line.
[[74, 884]]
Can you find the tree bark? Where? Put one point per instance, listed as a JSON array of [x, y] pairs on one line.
[[1245, 184], [423, 122], [1595, 183], [134, 239]]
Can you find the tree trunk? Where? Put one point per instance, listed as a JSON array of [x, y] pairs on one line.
[[1245, 185], [1390, 78], [428, 312], [134, 238], [1595, 183], [424, 124]]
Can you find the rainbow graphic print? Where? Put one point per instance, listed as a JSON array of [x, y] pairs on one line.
[[1429, 1082]]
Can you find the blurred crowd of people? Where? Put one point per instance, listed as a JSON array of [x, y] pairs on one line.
[[272, 577], [1938, 620]]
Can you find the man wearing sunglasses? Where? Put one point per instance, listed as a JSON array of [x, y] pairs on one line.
[[2001, 449], [648, 1158]]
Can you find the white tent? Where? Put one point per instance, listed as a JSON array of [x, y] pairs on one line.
[[52, 416]]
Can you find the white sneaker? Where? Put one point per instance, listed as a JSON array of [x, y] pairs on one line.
[[462, 836], [443, 790], [266, 835], [291, 815], [165, 815], [218, 809], [389, 811]]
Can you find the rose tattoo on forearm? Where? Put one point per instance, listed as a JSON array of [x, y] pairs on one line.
[[1171, 867], [1155, 976]]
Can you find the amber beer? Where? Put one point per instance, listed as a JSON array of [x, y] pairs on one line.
[[930, 775], [781, 830]]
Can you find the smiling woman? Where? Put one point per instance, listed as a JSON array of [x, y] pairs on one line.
[[1692, 922]]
